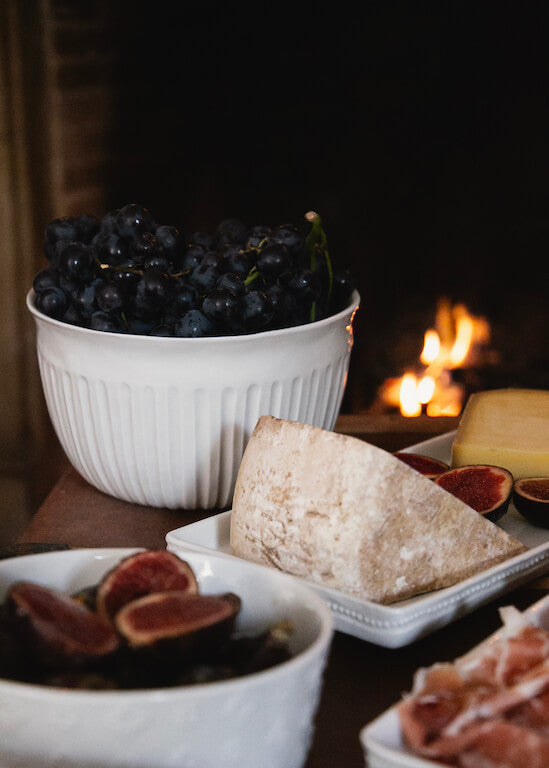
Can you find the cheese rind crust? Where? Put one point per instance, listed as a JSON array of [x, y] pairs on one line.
[[508, 428], [345, 514]]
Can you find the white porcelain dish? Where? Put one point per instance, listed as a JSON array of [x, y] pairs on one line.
[[164, 421], [264, 719], [401, 623], [381, 739]]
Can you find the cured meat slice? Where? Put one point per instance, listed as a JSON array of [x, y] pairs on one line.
[[443, 697], [505, 666], [488, 709], [502, 744], [533, 713]]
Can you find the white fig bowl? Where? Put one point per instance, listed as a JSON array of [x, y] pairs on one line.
[[263, 719], [164, 421]]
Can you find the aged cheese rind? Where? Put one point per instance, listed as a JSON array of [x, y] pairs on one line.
[[508, 428], [345, 514]]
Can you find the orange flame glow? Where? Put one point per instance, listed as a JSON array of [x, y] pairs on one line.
[[449, 345]]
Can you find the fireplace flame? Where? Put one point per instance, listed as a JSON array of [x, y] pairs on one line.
[[431, 347], [451, 344]]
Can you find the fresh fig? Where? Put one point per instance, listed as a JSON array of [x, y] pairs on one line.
[[429, 467], [531, 498], [177, 620], [60, 631], [484, 487], [142, 574]]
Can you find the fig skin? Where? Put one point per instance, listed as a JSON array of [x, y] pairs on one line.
[[175, 623], [531, 499], [484, 487], [140, 574], [56, 630], [38, 647], [428, 466]]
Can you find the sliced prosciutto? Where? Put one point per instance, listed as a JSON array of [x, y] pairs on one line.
[[488, 709]]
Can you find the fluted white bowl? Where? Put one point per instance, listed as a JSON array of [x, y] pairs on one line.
[[263, 719], [164, 421]]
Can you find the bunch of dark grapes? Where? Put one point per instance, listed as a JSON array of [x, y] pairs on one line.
[[125, 273]]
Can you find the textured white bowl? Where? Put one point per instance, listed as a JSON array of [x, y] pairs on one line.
[[164, 421], [265, 719]]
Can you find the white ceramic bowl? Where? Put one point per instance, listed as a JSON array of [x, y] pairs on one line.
[[265, 719], [164, 421]]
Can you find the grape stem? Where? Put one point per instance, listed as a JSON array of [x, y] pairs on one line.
[[135, 270], [316, 243], [259, 246], [129, 268], [253, 274]]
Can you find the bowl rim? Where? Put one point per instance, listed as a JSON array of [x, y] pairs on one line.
[[207, 689], [352, 308]]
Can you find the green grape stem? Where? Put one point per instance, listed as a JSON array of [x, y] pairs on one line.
[[253, 274], [316, 243]]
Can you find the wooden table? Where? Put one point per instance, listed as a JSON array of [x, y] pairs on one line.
[[361, 679]]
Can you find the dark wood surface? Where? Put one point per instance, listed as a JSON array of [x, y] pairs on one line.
[[361, 679]]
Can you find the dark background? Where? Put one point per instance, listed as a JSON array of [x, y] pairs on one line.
[[418, 131]]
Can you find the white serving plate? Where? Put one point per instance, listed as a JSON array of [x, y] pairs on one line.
[[399, 624], [381, 739]]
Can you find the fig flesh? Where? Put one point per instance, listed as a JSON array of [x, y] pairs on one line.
[[142, 574], [59, 640], [428, 466], [60, 631], [180, 621], [531, 498], [484, 487]]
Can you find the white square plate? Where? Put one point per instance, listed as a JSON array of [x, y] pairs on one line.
[[382, 740], [399, 624]]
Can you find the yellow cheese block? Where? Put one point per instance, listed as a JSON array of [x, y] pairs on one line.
[[508, 428]]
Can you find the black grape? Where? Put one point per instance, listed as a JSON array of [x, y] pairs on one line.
[[126, 272]]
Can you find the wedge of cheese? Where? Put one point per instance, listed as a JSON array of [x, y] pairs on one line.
[[506, 427], [345, 514]]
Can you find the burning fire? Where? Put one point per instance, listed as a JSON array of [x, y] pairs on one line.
[[451, 344]]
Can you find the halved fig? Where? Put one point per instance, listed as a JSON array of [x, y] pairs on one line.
[[142, 574], [531, 498], [60, 631], [484, 487], [177, 620], [429, 467]]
